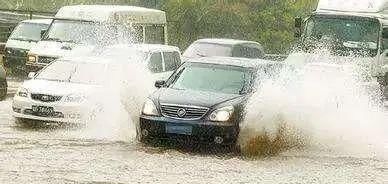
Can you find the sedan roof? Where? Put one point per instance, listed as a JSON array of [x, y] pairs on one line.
[[145, 47], [232, 61], [225, 41]]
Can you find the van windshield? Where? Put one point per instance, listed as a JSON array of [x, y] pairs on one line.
[[28, 32], [344, 36], [71, 31], [65, 71]]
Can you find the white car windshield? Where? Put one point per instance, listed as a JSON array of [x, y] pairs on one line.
[[28, 32], [65, 71]]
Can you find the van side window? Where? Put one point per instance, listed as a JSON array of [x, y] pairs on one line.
[[154, 34], [171, 60], [137, 34], [155, 64], [247, 51], [238, 51], [256, 52]]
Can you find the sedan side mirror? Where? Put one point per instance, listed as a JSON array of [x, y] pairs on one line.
[[42, 32], [298, 22], [160, 83], [298, 27], [31, 75]]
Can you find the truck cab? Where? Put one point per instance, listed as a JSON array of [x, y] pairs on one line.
[[96, 25], [351, 31]]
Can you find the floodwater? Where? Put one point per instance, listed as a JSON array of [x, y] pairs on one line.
[[53, 154]]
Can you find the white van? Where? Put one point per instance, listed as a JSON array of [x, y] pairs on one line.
[[25, 35], [93, 25]]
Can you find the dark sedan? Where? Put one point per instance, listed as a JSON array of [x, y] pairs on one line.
[[203, 100]]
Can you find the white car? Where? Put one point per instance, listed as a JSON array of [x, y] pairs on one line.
[[72, 89], [69, 91], [161, 60]]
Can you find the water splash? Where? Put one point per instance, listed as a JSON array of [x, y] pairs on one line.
[[321, 105]]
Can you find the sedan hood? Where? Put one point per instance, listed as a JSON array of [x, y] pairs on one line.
[[57, 49], [58, 88], [190, 97]]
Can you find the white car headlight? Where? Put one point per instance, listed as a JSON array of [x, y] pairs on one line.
[[31, 58], [74, 98], [222, 114], [22, 92], [149, 108]]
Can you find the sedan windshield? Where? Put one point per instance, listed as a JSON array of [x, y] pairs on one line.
[[343, 35], [64, 71], [212, 78], [28, 32], [199, 49]]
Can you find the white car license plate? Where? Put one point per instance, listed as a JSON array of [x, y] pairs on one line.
[[43, 109]]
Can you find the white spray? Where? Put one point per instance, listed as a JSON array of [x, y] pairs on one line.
[[321, 105]]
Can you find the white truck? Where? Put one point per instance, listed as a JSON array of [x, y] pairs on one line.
[[346, 31], [93, 25]]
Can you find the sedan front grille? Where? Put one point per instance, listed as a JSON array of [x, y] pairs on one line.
[[183, 112], [45, 59], [45, 98]]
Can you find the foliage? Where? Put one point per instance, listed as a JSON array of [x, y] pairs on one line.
[[269, 22]]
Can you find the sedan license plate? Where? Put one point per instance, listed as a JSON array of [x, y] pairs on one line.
[[179, 129], [43, 109]]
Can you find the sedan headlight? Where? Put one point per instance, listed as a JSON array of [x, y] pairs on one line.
[[31, 58], [222, 114], [149, 108], [22, 92], [77, 98]]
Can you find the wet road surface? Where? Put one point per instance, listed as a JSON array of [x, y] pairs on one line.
[[63, 155]]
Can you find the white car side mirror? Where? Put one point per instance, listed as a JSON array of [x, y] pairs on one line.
[[31, 75]]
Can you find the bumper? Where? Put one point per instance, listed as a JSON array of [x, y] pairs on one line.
[[34, 67], [63, 112], [198, 131]]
